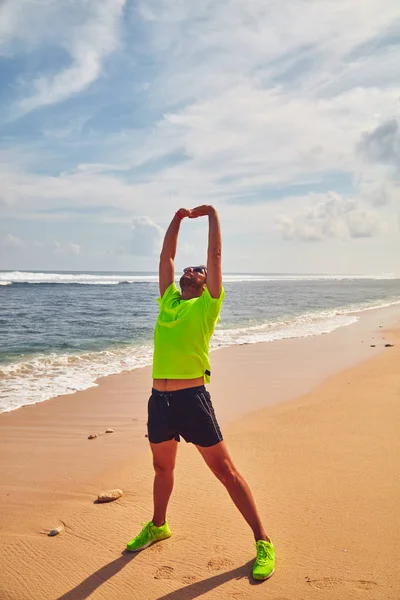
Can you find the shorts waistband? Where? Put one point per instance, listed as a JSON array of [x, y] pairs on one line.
[[178, 393]]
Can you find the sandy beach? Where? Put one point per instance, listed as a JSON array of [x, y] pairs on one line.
[[312, 424]]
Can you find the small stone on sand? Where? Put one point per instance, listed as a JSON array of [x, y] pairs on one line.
[[92, 436], [109, 430], [389, 345], [56, 531], [109, 496], [372, 345]]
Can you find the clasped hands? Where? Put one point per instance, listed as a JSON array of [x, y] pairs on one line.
[[199, 211]]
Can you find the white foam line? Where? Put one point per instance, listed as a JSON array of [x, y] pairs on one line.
[[42, 377], [6, 278]]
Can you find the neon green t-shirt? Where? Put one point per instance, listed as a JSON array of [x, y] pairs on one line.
[[182, 334]]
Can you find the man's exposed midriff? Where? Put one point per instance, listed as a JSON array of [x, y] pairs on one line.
[[171, 385]]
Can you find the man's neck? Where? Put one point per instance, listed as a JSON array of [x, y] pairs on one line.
[[189, 294]]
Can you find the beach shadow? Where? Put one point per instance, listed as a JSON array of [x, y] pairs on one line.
[[194, 590], [91, 583], [187, 592]]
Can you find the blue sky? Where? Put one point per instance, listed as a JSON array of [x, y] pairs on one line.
[[284, 115]]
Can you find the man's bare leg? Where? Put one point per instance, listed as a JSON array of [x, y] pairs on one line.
[[164, 455], [220, 463]]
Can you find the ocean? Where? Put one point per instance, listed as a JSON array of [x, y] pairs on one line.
[[61, 331]]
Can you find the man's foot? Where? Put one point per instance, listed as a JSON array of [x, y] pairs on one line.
[[264, 565], [149, 534]]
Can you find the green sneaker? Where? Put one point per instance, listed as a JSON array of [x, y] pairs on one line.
[[264, 565], [149, 534]]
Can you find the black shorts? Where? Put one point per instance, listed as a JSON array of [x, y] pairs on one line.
[[188, 413]]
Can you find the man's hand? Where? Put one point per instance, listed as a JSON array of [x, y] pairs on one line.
[[201, 211], [184, 212]]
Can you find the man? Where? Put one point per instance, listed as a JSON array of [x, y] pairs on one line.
[[179, 403]]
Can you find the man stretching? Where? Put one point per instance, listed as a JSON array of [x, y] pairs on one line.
[[180, 404]]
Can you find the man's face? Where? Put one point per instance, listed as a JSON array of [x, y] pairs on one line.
[[193, 278]]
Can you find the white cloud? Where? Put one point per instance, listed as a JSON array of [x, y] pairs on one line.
[[378, 193], [330, 216], [59, 249], [12, 241], [88, 32], [101, 168], [66, 249], [74, 248], [146, 238], [382, 145], [226, 40]]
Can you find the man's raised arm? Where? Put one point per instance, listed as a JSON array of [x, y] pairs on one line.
[[214, 269], [166, 271]]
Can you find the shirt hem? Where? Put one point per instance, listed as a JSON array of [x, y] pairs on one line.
[[183, 376]]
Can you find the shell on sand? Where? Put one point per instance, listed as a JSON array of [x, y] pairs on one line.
[[109, 496], [56, 530]]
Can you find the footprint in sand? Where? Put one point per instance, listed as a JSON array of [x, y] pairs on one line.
[[218, 564], [331, 582], [324, 583], [164, 573], [156, 548], [363, 584], [188, 579]]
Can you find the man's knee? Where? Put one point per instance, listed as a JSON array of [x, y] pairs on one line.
[[226, 472], [163, 467]]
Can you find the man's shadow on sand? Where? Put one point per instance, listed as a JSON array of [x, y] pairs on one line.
[[187, 592]]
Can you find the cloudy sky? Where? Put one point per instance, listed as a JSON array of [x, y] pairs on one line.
[[284, 114]]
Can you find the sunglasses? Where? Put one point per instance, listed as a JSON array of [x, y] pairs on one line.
[[196, 269]]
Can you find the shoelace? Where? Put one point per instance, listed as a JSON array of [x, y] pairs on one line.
[[146, 527], [263, 553]]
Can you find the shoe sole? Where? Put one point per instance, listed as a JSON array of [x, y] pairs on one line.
[[147, 545], [264, 578]]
